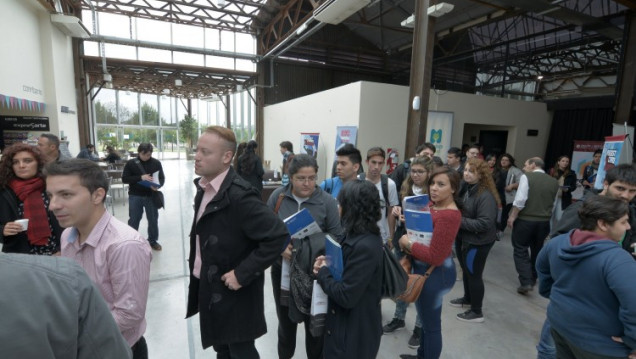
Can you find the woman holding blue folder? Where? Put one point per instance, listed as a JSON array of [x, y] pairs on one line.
[[353, 326]]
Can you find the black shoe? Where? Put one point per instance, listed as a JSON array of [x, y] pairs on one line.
[[156, 246], [459, 302], [395, 324], [408, 356], [471, 317], [414, 340], [524, 289]]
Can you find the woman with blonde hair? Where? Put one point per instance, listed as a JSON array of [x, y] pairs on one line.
[[477, 234]]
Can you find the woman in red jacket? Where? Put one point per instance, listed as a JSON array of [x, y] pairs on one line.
[[443, 187]]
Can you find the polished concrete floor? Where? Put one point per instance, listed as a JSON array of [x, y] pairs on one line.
[[512, 321]]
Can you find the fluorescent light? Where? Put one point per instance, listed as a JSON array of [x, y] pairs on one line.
[[409, 22], [178, 82], [70, 25], [440, 9], [336, 11]]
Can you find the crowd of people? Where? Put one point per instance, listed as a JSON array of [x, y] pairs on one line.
[[55, 206]]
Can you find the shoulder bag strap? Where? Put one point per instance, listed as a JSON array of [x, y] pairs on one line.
[[279, 202]]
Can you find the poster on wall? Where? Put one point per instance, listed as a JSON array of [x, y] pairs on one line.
[[309, 143], [582, 155], [439, 128], [609, 158], [345, 134]]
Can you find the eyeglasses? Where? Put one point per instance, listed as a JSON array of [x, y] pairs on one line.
[[417, 172], [305, 179]]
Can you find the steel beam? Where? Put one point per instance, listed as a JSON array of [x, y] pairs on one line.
[[627, 74], [420, 84]]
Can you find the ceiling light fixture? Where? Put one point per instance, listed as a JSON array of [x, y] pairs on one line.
[[178, 82]]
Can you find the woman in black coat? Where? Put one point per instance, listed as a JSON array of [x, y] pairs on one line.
[[567, 184], [250, 167], [353, 327], [23, 196], [477, 233]]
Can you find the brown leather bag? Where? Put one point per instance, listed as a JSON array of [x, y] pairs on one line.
[[415, 282]]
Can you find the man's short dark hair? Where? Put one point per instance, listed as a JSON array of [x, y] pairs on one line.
[[625, 173], [54, 140], [604, 208], [350, 151], [90, 145], [376, 151], [300, 161], [455, 151], [598, 152], [90, 174], [287, 145], [144, 148]]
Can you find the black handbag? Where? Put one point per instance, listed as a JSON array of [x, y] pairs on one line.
[[394, 278], [157, 199]]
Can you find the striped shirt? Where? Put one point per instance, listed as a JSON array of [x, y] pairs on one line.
[[117, 259]]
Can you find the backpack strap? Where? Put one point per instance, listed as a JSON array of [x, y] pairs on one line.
[[279, 201], [329, 185], [384, 183]]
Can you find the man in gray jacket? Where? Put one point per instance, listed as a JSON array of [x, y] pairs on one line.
[[74, 323]]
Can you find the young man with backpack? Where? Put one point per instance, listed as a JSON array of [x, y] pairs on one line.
[[348, 159], [376, 159]]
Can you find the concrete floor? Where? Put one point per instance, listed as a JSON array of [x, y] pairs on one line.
[[512, 321]]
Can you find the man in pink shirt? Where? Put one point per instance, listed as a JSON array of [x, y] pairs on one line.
[[115, 256], [235, 237]]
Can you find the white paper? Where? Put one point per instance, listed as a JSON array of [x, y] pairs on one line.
[[284, 276], [319, 300]]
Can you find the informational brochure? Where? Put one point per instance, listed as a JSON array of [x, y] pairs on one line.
[[318, 311], [299, 225], [417, 219], [333, 252], [150, 184]]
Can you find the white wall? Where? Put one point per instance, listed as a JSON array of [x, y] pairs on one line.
[[36, 55], [380, 111], [516, 116], [320, 112]]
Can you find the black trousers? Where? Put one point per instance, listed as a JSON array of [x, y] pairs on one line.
[[565, 349], [287, 328], [140, 349], [472, 259], [528, 235], [505, 211], [242, 350]]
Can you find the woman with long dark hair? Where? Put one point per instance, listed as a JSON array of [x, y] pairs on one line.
[[354, 318], [250, 167], [443, 185], [567, 184], [477, 234], [23, 196], [416, 183], [512, 175]]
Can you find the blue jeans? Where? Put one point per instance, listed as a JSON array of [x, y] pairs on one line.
[[400, 306], [546, 348], [136, 206], [429, 306]]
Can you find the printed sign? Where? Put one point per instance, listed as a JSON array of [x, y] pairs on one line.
[[609, 158], [24, 123]]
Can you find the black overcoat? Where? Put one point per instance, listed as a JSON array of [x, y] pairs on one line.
[[237, 232], [353, 327]]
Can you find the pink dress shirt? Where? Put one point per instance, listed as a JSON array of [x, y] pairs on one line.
[[117, 259], [210, 188]]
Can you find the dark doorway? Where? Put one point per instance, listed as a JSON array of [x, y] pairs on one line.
[[494, 142]]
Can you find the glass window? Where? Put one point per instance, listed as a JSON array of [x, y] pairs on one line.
[[106, 136], [212, 39], [203, 113], [185, 58], [170, 141], [128, 108], [120, 51], [106, 107], [245, 43], [155, 55], [149, 111], [166, 110], [181, 109], [91, 48], [153, 31], [219, 62], [245, 65], [114, 25], [227, 41], [187, 35]]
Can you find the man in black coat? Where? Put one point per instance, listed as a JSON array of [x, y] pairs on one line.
[[235, 237]]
